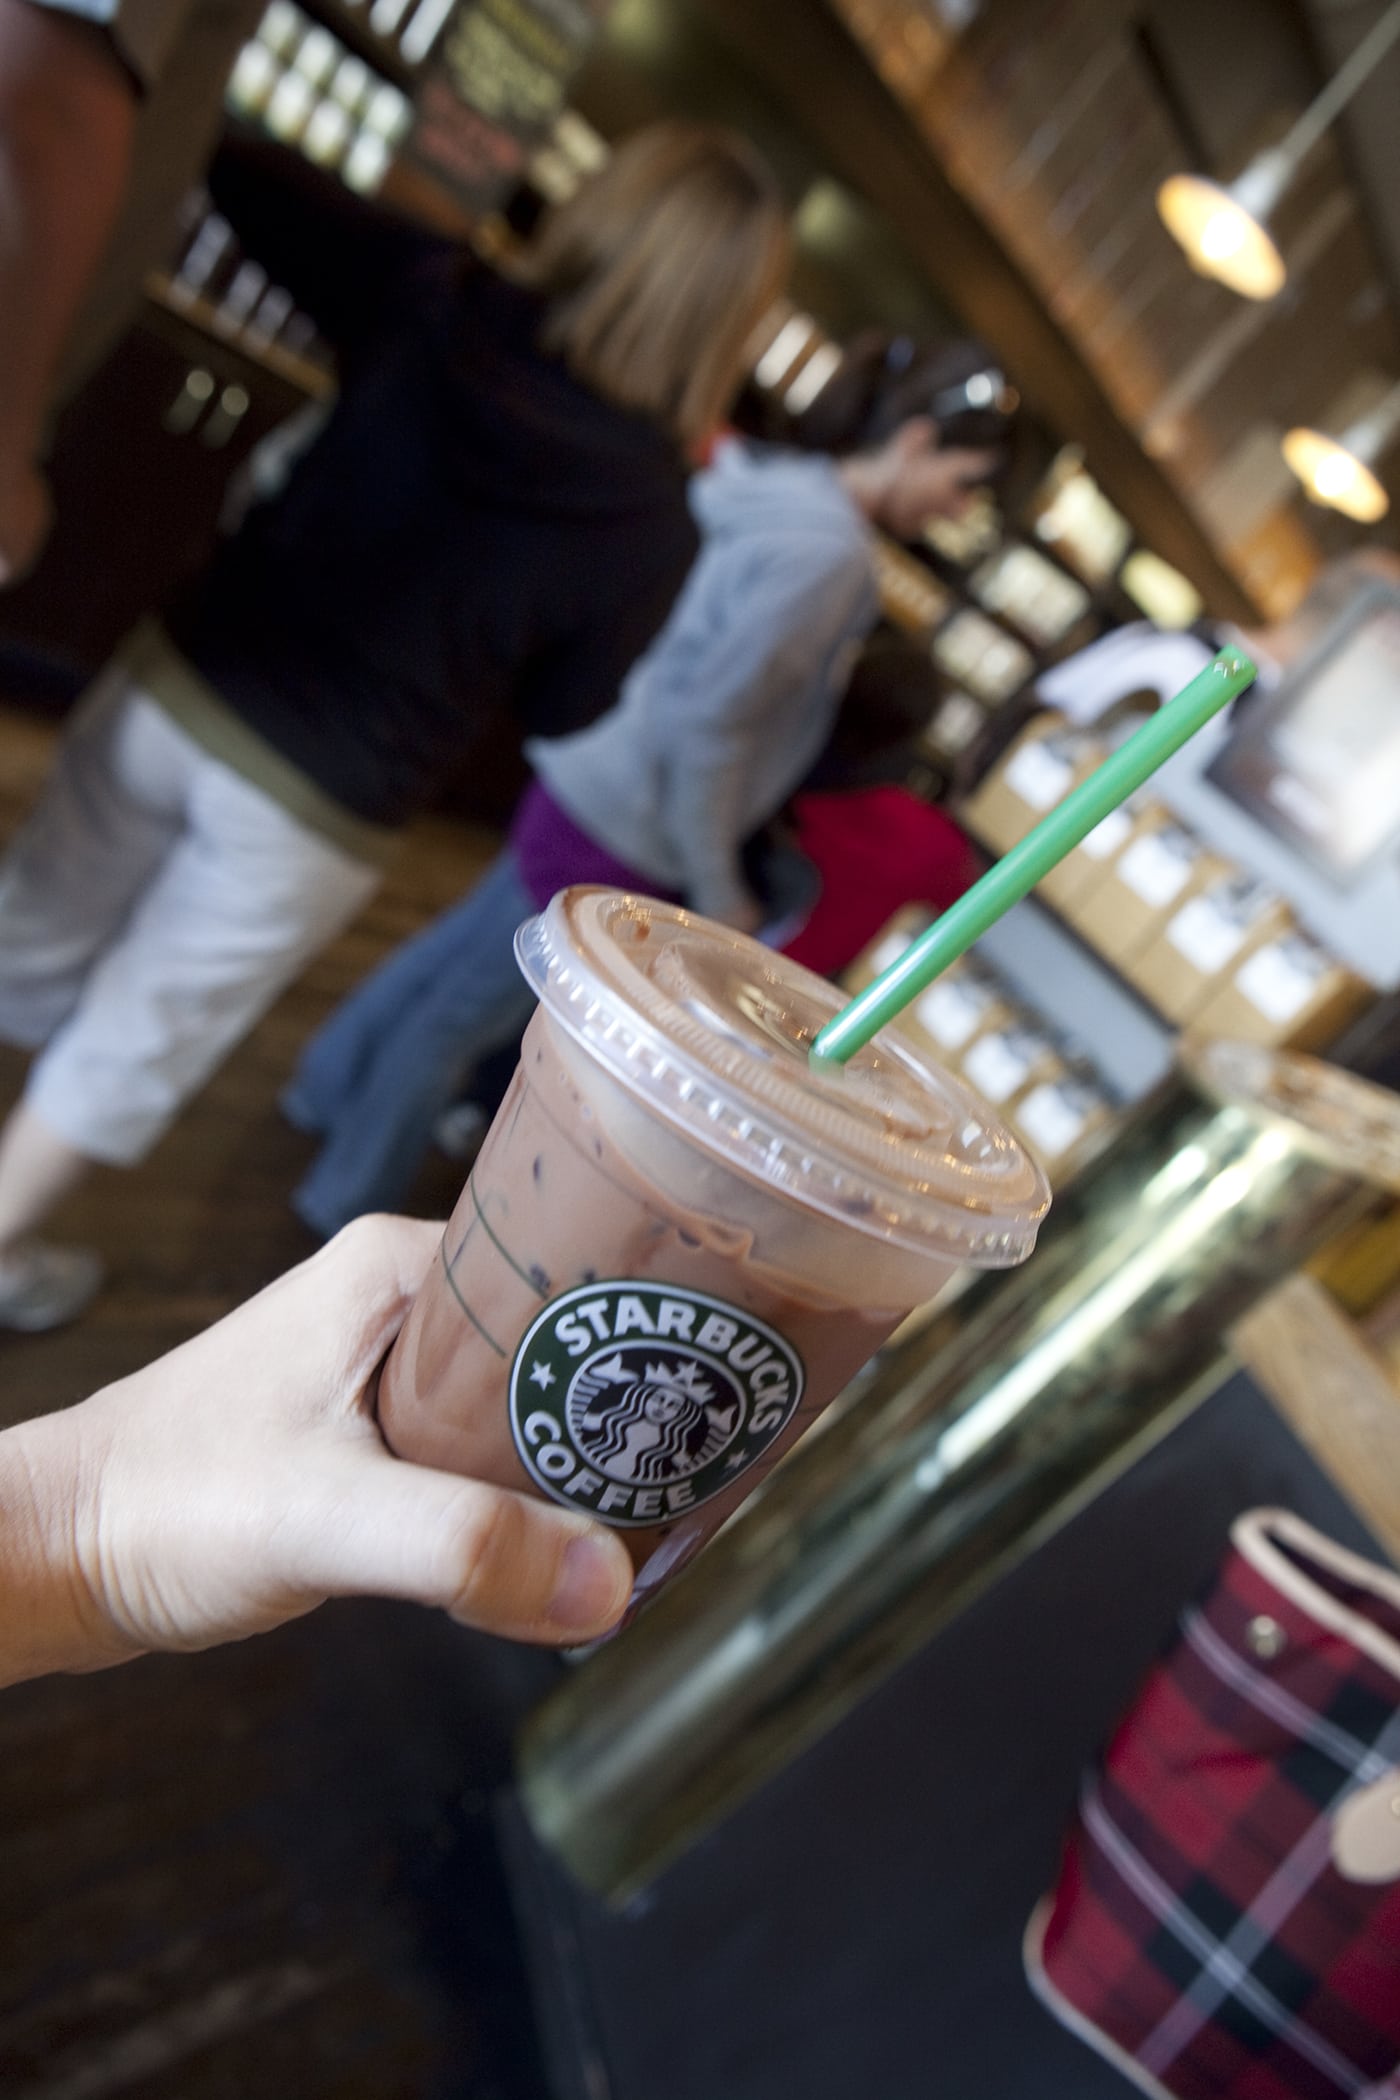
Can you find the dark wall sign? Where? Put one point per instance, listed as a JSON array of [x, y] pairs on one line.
[[497, 80]]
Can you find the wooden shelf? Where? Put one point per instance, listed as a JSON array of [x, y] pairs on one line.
[[313, 380], [1334, 1391]]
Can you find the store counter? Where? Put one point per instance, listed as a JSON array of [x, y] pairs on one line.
[[855, 1927]]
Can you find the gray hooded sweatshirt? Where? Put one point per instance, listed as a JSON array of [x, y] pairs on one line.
[[729, 708]]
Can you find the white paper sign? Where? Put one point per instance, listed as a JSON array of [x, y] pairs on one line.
[[951, 1010], [1206, 934], [996, 1066], [1053, 1119], [1282, 979], [1110, 836], [1038, 777], [1156, 868]]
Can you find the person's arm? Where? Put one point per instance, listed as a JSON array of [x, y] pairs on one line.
[[340, 256], [760, 643], [241, 1480], [67, 116]]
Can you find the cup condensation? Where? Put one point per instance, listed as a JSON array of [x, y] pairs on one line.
[[679, 1242]]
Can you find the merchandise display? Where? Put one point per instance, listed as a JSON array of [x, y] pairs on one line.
[[308, 88], [1217, 928], [1288, 990], [1205, 938], [1159, 868], [1035, 774], [1042, 1082], [1166, 911]]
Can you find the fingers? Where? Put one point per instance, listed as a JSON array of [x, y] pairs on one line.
[[493, 1559], [346, 1302], [970, 465], [502, 1562], [526, 1569]]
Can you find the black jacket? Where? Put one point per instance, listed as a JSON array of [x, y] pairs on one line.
[[474, 533]]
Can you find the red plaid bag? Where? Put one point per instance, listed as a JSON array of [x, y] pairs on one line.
[[1227, 1915]]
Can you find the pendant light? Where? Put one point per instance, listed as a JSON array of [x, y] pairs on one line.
[[1223, 230], [1337, 472]]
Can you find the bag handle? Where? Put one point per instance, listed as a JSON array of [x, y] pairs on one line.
[[1264, 1537]]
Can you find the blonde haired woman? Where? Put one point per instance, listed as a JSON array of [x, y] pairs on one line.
[[492, 524]]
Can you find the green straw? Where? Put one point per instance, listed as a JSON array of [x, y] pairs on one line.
[[1032, 859]]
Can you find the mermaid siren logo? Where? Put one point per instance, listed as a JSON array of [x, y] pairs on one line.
[[640, 1401]]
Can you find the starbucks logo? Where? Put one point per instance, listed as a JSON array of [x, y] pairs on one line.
[[639, 1402]]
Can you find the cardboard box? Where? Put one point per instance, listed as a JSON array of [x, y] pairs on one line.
[[1149, 881], [1102, 850], [1204, 943], [1006, 1062], [887, 947], [1061, 1119], [1032, 775], [1081, 872], [1287, 991], [963, 1003]]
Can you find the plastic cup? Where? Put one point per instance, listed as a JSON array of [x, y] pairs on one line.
[[680, 1241]]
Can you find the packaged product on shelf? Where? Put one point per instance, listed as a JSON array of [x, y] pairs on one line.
[[1207, 940], [958, 719], [982, 656], [1035, 594], [1005, 1062], [1036, 772], [1095, 858], [962, 1002], [1059, 1117], [1161, 866], [1081, 871], [887, 947], [911, 596], [1289, 990]]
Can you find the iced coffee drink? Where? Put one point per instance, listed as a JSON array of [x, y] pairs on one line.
[[679, 1242]]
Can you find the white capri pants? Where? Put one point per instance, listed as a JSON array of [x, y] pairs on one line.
[[151, 910]]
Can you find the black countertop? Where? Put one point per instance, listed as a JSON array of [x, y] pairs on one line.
[[853, 1932]]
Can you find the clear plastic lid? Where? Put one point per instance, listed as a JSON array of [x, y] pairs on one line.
[[712, 1031], [1347, 1122]]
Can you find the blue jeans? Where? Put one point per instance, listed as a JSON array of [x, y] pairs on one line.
[[373, 1081]]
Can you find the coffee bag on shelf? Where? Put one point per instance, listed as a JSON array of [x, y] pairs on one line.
[[1206, 941]]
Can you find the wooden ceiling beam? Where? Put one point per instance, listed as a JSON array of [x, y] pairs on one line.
[[808, 58]]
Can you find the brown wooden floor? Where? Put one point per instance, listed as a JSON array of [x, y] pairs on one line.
[[267, 1870]]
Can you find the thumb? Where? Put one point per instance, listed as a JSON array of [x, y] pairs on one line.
[[494, 1559]]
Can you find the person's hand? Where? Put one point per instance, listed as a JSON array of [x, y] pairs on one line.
[[910, 479], [241, 1480], [958, 473], [26, 517]]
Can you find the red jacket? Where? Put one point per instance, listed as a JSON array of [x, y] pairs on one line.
[[876, 849]]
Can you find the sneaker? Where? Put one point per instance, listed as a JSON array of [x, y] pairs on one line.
[[459, 1130], [43, 1286]]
